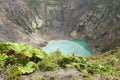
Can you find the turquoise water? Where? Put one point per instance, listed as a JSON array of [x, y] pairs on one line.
[[79, 47]]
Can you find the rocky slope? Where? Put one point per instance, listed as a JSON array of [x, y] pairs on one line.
[[96, 21]]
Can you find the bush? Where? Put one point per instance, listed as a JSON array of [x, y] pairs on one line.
[[47, 65], [24, 57], [13, 73]]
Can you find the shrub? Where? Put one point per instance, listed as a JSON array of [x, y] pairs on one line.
[[13, 73], [23, 56]]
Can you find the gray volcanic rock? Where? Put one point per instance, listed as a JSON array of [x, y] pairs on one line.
[[95, 21], [68, 74], [63, 74]]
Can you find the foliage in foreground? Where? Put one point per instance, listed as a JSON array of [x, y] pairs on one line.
[[26, 59]]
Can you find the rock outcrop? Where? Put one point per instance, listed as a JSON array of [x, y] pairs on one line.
[[95, 21]]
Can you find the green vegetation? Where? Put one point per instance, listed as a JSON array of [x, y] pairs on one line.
[[12, 72], [32, 4], [55, 3], [25, 59]]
